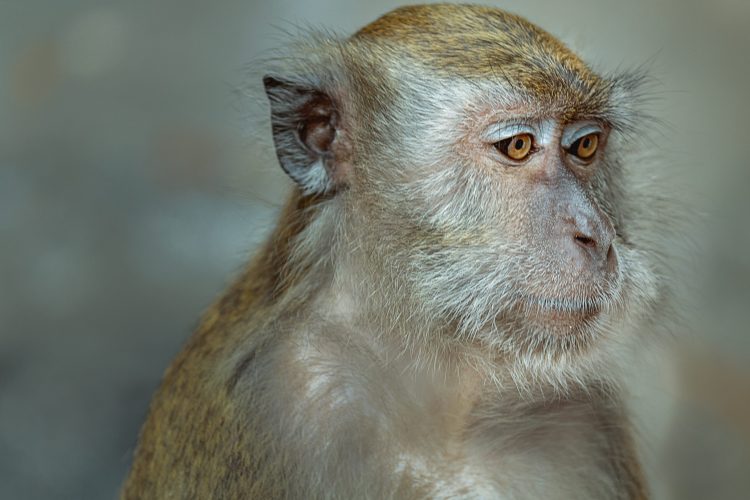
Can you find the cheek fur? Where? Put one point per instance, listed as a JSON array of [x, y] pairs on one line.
[[471, 250]]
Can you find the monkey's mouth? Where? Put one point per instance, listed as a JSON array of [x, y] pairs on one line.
[[561, 310], [580, 307], [562, 305]]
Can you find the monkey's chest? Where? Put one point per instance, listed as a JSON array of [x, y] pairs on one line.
[[436, 477], [554, 463]]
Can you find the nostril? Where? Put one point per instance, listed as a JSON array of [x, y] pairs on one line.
[[584, 240], [611, 259]]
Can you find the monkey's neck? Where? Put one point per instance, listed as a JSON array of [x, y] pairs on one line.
[[428, 355]]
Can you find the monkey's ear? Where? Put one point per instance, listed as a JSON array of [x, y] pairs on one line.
[[305, 126]]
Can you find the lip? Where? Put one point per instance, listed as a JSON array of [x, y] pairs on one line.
[[562, 310], [562, 305]]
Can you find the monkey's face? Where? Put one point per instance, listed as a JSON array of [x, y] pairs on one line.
[[560, 241], [509, 225]]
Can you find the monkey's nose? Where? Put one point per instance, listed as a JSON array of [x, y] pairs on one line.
[[585, 241], [597, 245]]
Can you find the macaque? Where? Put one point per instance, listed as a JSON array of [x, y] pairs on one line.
[[454, 289]]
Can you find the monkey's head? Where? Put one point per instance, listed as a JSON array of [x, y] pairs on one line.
[[468, 168]]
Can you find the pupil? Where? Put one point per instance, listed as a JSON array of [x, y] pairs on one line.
[[519, 144], [586, 143]]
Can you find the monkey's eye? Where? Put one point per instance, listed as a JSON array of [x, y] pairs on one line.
[[517, 147], [585, 147]]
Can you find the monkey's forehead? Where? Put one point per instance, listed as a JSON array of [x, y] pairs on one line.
[[480, 42]]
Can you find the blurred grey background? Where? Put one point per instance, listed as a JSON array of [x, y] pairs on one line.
[[132, 187]]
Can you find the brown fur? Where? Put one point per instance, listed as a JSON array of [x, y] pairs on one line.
[[484, 43], [220, 459]]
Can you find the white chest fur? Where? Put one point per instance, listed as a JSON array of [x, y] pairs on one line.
[[453, 440], [551, 460]]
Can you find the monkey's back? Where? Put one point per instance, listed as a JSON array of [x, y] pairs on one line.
[[200, 439]]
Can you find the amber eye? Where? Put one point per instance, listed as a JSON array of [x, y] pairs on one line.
[[517, 147], [585, 147]]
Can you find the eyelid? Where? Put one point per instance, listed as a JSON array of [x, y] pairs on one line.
[[584, 129], [502, 131]]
